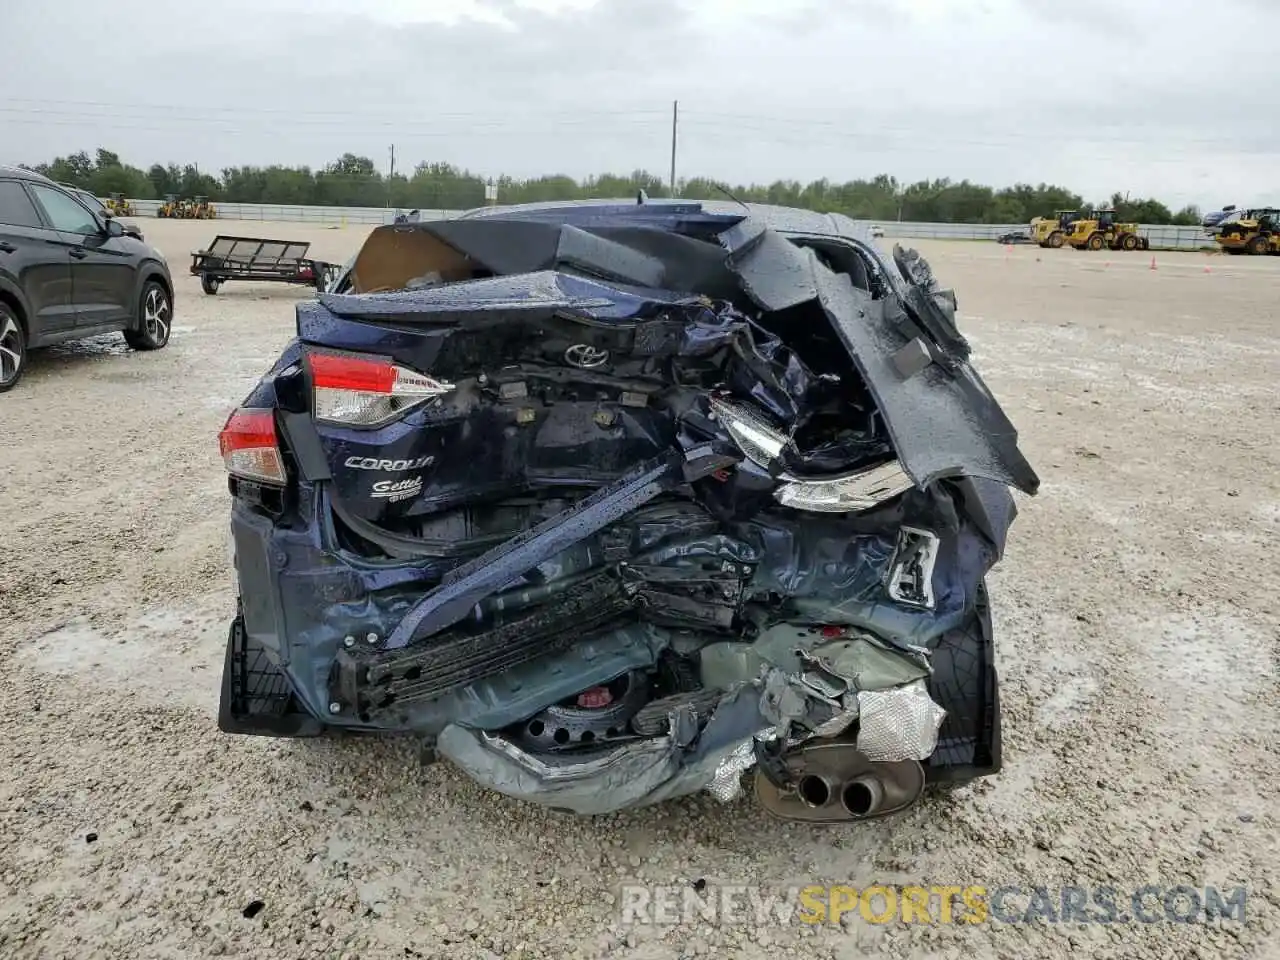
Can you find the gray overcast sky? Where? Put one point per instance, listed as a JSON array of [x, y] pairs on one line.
[[1172, 98]]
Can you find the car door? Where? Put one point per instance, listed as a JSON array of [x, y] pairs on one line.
[[35, 264], [102, 269]]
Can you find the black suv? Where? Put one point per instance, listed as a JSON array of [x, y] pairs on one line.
[[67, 272], [98, 207]]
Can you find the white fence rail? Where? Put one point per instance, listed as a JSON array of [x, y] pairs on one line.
[[1160, 237], [298, 213]]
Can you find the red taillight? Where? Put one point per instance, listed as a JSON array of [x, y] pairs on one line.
[[249, 448], [334, 372], [367, 391]]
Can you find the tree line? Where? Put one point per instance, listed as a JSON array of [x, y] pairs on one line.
[[354, 181]]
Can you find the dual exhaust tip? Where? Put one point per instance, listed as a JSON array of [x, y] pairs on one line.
[[860, 797], [831, 781]]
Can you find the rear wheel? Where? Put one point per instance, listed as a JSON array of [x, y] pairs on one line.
[[155, 314], [1258, 246], [209, 284], [1095, 242], [1130, 242], [1056, 239], [13, 349]]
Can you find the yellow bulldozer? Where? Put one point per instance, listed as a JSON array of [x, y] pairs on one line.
[[1101, 230], [119, 206], [1053, 231], [1256, 232], [180, 208]]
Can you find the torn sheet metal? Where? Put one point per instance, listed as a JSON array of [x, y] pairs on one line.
[[726, 781], [621, 778], [864, 663], [900, 723], [943, 421]]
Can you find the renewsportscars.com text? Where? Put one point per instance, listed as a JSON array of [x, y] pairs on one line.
[[966, 904]]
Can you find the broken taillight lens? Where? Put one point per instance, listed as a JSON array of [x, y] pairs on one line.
[[855, 492], [760, 442], [367, 391], [249, 447]]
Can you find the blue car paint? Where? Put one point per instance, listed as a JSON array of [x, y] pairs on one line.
[[310, 598]]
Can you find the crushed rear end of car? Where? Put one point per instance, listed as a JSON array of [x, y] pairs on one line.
[[612, 503]]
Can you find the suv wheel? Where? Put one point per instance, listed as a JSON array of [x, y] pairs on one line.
[[154, 318], [13, 349]]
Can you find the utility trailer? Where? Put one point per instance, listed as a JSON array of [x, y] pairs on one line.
[[260, 259]]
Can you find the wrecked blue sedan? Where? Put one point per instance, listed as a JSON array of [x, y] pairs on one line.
[[609, 503]]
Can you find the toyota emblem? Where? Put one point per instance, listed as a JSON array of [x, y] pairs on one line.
[[585, 356]]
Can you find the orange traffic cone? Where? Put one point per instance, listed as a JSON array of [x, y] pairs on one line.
[[1153, 263]]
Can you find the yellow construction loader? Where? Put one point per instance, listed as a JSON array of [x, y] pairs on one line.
[[202, 209], [1052, 231], [170, 208], [119, 206], [1256, 232], [1101, 230]]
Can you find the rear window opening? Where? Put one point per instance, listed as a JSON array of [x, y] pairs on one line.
[[404, 259], [839, 257]]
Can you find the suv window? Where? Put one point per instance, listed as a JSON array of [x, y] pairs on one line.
[[16, 207], [89, 200], [65, 212]]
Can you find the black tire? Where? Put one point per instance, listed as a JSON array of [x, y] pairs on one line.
[[1258, 246], [1096, 242], [155, 318], [13, 349], [1057, 239], [1130, 242], [1144, 243], [209, 284]]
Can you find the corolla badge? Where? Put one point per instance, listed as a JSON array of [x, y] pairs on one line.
[[585, 356], [388, 466]]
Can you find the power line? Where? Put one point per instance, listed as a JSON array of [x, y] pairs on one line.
[[875, 143], [392, 110], [712, 121]]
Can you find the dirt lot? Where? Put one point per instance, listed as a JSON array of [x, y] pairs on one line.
[[1137, 617]]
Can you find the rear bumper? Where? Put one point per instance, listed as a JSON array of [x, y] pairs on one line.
[[303, 605], [257, 698]]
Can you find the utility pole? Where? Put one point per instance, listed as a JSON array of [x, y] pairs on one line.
[[675, 122], [391, 173]]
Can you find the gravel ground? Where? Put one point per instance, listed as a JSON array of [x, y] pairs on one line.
[[1136, 614]]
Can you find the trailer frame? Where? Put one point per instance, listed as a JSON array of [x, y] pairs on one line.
[[260, 259]]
